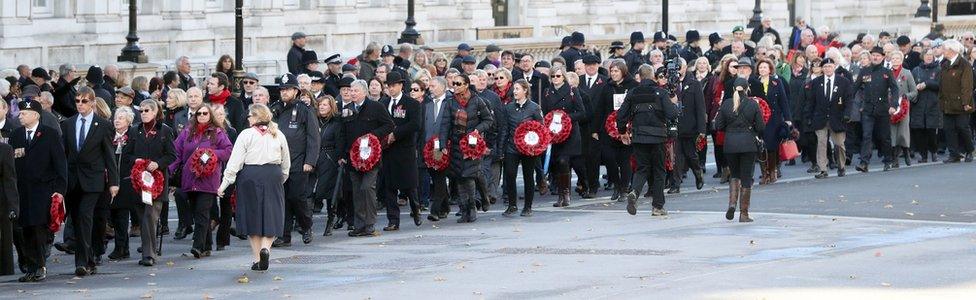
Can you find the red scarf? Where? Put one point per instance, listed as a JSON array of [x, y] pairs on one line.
[[261, 128], [503, 93], [896, 71], [150, 129], [201, 128], [220, 98]]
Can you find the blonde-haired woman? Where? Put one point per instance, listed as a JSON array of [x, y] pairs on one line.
[[739, 117], [900, 137], [259, 165]]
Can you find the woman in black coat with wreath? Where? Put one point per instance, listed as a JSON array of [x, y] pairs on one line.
[[519, 110], [560, 96], [153, 141]]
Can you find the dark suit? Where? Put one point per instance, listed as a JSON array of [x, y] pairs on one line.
[[590, 94], [10, 203], [432, 125], [829, 117], [41, 172], [88, 165], [368, 117], [400, 166]]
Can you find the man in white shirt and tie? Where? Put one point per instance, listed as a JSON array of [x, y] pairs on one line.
[[827, 113], [590, 91]]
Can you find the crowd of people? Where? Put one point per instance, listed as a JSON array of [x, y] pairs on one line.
[[412, 127]]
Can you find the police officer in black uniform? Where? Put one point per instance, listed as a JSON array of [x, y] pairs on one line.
[[300, 126], [879, 101], [649, 108]]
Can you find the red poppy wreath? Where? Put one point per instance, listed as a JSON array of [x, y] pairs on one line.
[[473, 146], [901, 112], [611, 126], [365, 153], [434, 157], [140, 185], [560, 125], [764, 108], [531, 138], [203, 162]]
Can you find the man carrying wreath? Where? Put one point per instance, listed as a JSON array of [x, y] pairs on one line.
[[362, 117]]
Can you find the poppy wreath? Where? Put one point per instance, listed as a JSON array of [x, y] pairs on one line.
[[565, 129], [764, 108], [429, 156], [476, 151], [356, 156], [203, 169], [700, 143], [57, 213], [901, 112], [611, 126], [156, 189], [531, 138]]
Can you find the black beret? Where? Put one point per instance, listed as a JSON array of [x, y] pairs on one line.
[[29, 104]]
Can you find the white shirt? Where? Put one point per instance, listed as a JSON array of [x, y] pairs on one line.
[[254, 148], [437, 104], [394, 101], [828, 85], [30, 131]]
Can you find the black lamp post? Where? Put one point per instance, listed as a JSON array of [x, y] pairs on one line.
[[756, 20], [923, 10], [131, 52], [664, 15], [409, 34], [238, 44]]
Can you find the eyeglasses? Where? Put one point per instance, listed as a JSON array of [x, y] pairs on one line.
[[82, 101], [202, 113], [146, 110], [415, 89], [457, 83], [248, 82], [500, 78], [557, 76]]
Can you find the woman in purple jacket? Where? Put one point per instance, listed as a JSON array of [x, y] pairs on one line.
[[201, 151]]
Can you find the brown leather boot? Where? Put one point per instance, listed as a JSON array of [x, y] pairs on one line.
[[562, 180], [744, 198], [734, 189], [763, 173], [726, 173]]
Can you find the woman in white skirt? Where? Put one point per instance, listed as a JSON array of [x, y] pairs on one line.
[[259, 165]]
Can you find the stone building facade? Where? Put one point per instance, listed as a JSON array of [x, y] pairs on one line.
[[52, 32]]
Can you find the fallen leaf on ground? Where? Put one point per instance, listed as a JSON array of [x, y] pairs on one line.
[[877, 254], [914, 201], [889, 206], [243, 279], [278, 278], [170, 263], [909, 214]]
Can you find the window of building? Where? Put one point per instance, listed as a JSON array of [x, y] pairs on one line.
[[42, 8]]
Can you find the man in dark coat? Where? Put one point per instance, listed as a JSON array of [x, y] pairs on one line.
[[829, 101], [691, 127], [90, 155], [468, 113], [799, 25], [879, 102], [492, 57], [362, 116], [296, 53], [635, 57], [912, 58], [399, 169], [691, 51], [574, 52], [648, 109], [538, 81], [714, 53], [96, 82], [9, 208], [300, 127], [64, 91], [41, 174], [591, 84], [183, 72], [956, 98], [765, 28]]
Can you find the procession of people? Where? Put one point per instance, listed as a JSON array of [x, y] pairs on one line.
[[97, 161]]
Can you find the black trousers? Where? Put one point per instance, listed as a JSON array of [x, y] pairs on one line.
[[853, 141], [35, 240], [959, 136], [184, 212], [439, 203], [876, 131], [650, 164], [201, 204], [742, 166], [925, 140], [719, 154], [80, 206], [512, 162], [225, 217], [391, 197], [6, 242], [120, 223], [685, 156], [622, 156], [297, 206]]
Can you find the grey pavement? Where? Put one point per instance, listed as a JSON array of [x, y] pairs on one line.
[[907, 234]]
